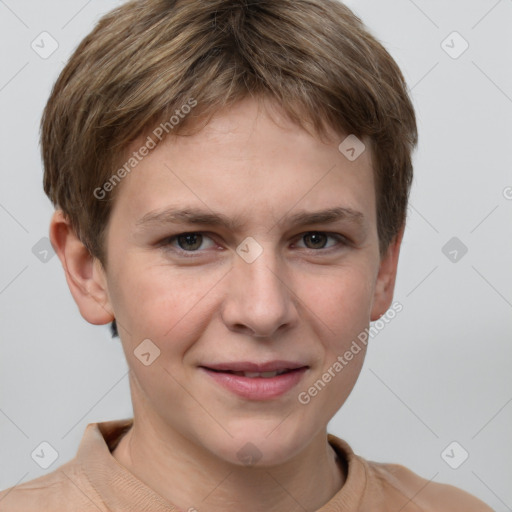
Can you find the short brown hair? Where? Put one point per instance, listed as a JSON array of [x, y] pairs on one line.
[[147, 58]]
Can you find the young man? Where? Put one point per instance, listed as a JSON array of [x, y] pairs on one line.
[[231, 183]]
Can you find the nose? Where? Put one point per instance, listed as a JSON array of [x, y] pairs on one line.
[[259, 300]]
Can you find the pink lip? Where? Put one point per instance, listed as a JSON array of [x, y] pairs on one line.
[[257, 388]]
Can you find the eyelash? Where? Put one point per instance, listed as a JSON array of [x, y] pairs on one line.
[[166, 242]]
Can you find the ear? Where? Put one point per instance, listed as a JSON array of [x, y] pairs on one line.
[[84, 273], [385, 284]]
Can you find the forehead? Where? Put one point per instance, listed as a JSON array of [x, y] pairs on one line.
[[248, 159]]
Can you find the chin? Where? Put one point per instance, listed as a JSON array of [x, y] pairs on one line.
[[256, 446]]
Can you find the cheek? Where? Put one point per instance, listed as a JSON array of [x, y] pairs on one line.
[[341, 299], [160, 303], [341, 312]]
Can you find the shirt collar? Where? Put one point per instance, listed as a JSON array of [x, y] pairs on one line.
[[119, 489]]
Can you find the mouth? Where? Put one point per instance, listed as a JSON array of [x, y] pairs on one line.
[[255, 381], [255, 375]]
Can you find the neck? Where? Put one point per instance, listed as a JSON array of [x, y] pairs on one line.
[[191, 478]]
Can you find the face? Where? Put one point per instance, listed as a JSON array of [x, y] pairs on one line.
[[250, 246]]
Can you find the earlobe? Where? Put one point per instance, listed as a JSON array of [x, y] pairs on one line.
[[84, 273], [385, 284]]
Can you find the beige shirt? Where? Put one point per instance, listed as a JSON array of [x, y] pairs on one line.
[[95, 481]]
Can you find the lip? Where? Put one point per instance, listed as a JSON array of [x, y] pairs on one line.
[[251, 366], [257, 388]]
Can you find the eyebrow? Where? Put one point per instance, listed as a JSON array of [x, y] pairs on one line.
[[201, 217]]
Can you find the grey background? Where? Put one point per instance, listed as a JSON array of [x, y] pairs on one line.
[[439, 372]]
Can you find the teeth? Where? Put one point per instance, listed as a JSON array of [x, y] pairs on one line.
[[265, 375], [254, 375], [251, 375]]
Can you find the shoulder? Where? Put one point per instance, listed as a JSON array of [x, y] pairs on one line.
[[66, 488], [392, 487], [422, 494]]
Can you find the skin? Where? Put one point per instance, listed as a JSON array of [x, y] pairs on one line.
[[301, 299]]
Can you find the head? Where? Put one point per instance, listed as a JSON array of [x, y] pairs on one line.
[[237, 109]]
